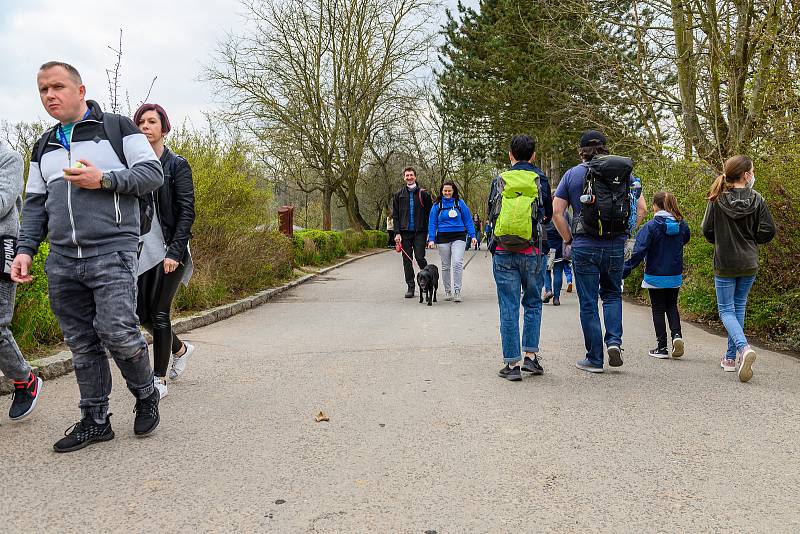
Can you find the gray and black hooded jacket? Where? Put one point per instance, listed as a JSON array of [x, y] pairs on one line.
[[737, 222], [82, 223]]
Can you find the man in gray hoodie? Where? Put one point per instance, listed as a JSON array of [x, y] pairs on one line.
[[84, 197], [27, 387]]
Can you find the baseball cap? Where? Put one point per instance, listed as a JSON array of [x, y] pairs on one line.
[[592, 138]]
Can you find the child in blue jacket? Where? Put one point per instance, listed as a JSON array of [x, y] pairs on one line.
[[660, 243], [449, 227]]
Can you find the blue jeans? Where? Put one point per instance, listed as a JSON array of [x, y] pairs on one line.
[[568, 271], [554, 280], [598, 272], [94, 300], [515, 276], [732, 303]]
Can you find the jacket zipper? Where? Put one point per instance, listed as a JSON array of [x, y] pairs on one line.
[[69, 196]]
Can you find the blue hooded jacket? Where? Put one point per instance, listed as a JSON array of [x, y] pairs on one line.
[[660, 243], [440, 221]]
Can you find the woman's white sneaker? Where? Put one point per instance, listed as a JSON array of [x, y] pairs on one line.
[[179, 363], [160, 386]]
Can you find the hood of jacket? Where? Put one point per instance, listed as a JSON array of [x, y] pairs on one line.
[[738, 203], [667, 223]]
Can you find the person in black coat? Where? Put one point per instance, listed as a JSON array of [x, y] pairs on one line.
[[165, 260], [411, 207]]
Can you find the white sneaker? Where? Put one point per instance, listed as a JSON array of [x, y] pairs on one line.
[[457, 296], [746, 360], [160, 386], [179, 363], [448, 296]]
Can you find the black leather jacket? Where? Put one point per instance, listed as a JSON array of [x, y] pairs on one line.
[[175, 204]]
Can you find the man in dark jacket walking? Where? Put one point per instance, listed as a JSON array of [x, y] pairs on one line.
[[411, 207]]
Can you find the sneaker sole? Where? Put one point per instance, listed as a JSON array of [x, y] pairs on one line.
[[595, 370], [729, 369], [33, 404], [149, 430], [746, 369], [534, 372], [677, 348], [515, 378], [659, 356], [107, 437], [615, 357]]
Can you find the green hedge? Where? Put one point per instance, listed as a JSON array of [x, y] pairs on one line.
[[317, 247], [773, 311], [34, 324]]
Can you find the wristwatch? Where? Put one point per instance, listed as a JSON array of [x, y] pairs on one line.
[[105, 181], [568, 243]]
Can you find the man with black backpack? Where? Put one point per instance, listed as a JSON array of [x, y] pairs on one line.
[[519, 202], [86, 177], [598, 191], [411, 206]]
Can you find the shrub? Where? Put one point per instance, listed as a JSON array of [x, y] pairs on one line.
[[34, 325]]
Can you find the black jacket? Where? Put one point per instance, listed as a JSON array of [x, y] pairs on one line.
[[400, 209], [175, 204], [737, 222]]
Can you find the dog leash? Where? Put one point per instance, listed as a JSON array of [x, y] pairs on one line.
[[399, 248], [474, 253]]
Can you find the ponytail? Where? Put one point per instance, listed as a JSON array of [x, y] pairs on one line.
[[666, 201], [733, 170]]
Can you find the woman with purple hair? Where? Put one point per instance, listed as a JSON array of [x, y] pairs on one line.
[[165, 259]]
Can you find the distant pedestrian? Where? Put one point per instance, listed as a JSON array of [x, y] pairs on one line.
[[554, 275], [27, 387], [390, 230], [450, 227], [411, 207], [476, 223], [736, 221], [165, 260], [660, 244]]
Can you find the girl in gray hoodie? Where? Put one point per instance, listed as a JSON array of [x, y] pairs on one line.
[[736, 221]]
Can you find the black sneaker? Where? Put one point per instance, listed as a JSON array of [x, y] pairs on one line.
[[510, 373], [614, 356], [26, 395], [410, 292], [147, 417], [547, 296], [660, 352], [84, 433], [556, 301], [532, 366]]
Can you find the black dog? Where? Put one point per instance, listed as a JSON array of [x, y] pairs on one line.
[[428, 281]]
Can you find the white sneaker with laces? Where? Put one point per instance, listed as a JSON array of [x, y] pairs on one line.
[[160, 386], [179, 363], [457, 296]]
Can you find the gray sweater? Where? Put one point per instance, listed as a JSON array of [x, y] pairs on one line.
[[11, 181]]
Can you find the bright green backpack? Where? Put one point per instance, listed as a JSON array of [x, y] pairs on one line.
[[514, 208]]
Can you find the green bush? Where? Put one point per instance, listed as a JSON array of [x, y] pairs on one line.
[[34, 325], [774, 306], [318, 247]]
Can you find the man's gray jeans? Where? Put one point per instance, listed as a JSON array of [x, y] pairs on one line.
[[94, 300], [12, 363]]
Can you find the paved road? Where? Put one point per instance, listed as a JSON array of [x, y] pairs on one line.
[[423, 436]]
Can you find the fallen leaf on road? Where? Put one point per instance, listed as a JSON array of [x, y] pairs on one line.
[[321, 417]]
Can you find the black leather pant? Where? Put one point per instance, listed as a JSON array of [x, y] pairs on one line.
[[156, 291]]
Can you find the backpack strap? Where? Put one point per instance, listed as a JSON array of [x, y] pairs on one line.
[[113, 130]]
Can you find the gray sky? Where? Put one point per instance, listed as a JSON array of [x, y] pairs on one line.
[[171, 39]]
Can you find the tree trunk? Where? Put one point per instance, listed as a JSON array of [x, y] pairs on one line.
[[327, 194]]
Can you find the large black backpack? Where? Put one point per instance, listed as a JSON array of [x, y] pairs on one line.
[[605, 204], [113, 131]]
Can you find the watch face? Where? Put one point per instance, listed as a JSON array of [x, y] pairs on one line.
[[106, 182]]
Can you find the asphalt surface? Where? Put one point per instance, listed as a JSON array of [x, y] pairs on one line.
[[423, 436]]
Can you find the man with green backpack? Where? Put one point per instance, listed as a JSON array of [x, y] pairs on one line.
[[519, 199]]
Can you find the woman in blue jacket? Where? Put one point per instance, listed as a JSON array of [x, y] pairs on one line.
[[449, 224], [660, 243]]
